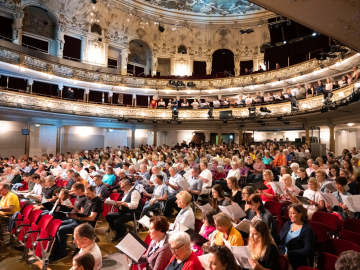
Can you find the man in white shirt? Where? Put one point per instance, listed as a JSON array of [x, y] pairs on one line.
[[173, 190], [84, 238], [206, 177], [83, 173]]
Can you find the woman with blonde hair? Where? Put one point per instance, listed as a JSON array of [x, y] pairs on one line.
[[186, 215], [322, 165], [267, 194], [226, 231], [315, 200], [328, 85], [264, 252]]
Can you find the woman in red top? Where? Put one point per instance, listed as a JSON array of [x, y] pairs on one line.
[[184, 258], [154, 103], [267, 194]]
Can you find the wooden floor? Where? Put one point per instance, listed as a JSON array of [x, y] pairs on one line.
[[9, 257]]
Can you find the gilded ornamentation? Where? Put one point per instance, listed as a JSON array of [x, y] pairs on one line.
[[63, 71]]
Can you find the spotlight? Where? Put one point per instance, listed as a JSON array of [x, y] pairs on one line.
[[252, 111], [182, 49], [344, 102], [278, 79], [284, 42], [179, 122], [154, 121], [242, 32], [249, 31], [225, 121], [333, 106], [175, 113], [321, 66], [324, 110], [168, 122], [314, 34], [191, 84], [264, 110], [210, 112], [180, 83], [279, 118], [100, 39], [161, 29], [171, 82], [94, 1]]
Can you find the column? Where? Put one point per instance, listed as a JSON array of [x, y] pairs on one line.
[[154, 63], [30, 82], [111, 97], [106, 52], [134, 100], [124, 60], [58, 137], [27, 140], [209, 65], [133, 137], [191, 65], [86, 94], [61, 87], [241, 136], [207, 136], [84, 44], [219, 137], [255, 65], [155, 137], [307, 135], [17, 26], [237, 64], [60, 40], [172, 64], [332, 137]]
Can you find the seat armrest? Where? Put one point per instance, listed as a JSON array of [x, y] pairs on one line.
[[34, 231]]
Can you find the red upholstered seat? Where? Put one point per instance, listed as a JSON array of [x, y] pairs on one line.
[[326, 261], [283, 263], [337, 246], [273, 207], [326, 218], [350, 236]]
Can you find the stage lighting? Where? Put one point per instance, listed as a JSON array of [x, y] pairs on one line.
[[182, 49], [288, 23], [279, 118], [344, 102], [314, 34], [191, 84], [294, 104], [249, 31], [252, 111], [179, 122], [161, 29], [180, 83], [125, 120], [242, 32], [210, 112], [333, 106], [100, 39], [175, 113], [264, 110], [171, 82]]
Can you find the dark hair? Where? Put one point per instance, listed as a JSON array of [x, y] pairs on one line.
[[76, 174], [209, 217], [57, 190], [257, 199], [341, 181], [266, 238], [300, 209], [214, 202], [93, 168], [86, 260], [127, 164], [348, 260], [160, 177], [35, 176], [225, 256], [85, 230], [160, 223], [91, 188], [350, 169], [337, 168], [26, 175], [79, 186]]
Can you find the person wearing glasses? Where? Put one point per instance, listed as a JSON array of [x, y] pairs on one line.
[[184, 257]]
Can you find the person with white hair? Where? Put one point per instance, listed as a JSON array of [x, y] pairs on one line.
[[290, 190], [295, 168], [184, 257]]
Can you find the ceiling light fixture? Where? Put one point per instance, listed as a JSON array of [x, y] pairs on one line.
[[350, 124]]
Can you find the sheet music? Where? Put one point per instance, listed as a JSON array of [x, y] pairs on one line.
[[278, 187], [140, 188], [204, 260], [131, 247], [234, 211], [145, 220], [330, 199], [108, 201], [182, 227], [241, 254], [56, 171], [32, 197], [206, 207], [188, 174], [101, 172], [352, 202], [137, 166], [116, 171], [184, 184], [305, 187], [244, 225], [133, 160], [330, 186], [172, 226], [43, 200]]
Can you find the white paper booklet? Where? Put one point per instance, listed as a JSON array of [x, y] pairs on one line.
[[183, 184], [352, 202], [116, 171], [108, 201], [243, 226], [171, 227], [241, 254], [132, 246], [43, 200], [137, 166], [233, 211], [145, 220], [305, 187], [206, 207], [204, 260], [187, 174], [330, 186], [57, 171], [330, 199], [101, 172], [278, 187]]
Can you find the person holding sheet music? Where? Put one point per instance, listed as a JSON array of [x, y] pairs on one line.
[[290, 190], [64, 199], [221, 258], [208, 229], [129, 204], [100, 188], [49, 190], [158, 197], [315, 200], [296, 239], [158, 254], [342, 209], [353, 187], [83, 173], [218, 198], [186, 215], [109, 177], [226, 231], [267, 194], [320, 176], [352, 173], [184, 258], [264, 252], [233, 185], [302, 180], [259, 212], [195, 183], [206, 177]]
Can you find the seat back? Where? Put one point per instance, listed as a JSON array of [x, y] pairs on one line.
[[27, 211], [351, 224], [72, 201], [32, 236], [279, 226], [326, 218], [25, 185], [44, 221], [64, 183], [337, 246], [23, 229], [41, 245], [321, 231], [350, 236], [268, 167], [59, 182], [53, 227], [22, 204], [283, 262], [34, 216], [326, 261], [114, 196], [273, 207], [198, 224], [17, 223], [283, 219], [305, 268]]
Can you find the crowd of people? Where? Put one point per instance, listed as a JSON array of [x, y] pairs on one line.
[[181, 183], [299, 92]]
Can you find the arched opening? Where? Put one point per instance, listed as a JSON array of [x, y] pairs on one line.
[[223, 60], [138, 59]]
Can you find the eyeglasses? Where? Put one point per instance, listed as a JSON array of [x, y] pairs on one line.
[[176, 248]]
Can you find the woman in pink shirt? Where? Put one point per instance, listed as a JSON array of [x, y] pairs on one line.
[[258, 168], [267, 194]]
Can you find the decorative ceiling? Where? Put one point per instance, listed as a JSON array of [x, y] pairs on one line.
[[208, 7]]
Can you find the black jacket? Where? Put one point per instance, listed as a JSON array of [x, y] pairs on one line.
[[299, 248]]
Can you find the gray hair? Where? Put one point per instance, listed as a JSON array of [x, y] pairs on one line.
[[180, 166], [131, 167], [5, 185], [126, 182], [294, 165], [348, 260], [180, 238], [172, 168], [143, 166]]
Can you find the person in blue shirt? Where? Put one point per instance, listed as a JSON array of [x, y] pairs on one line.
[[287, 156], [109, 177]]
